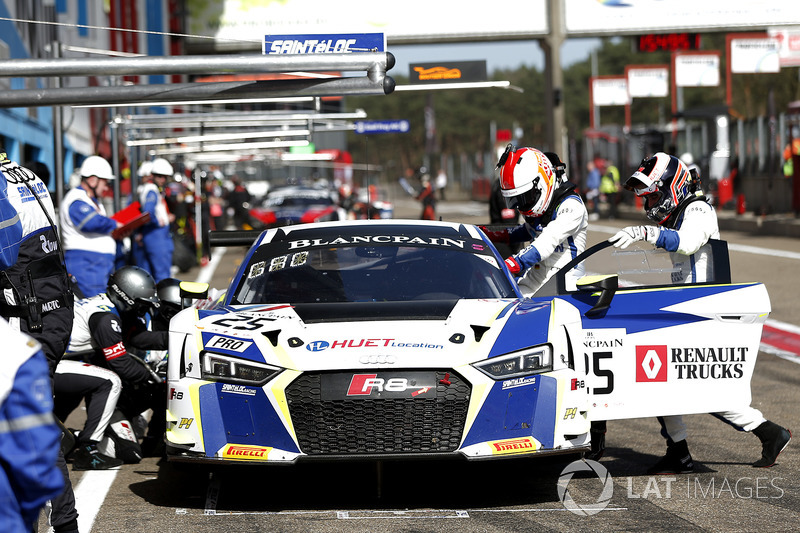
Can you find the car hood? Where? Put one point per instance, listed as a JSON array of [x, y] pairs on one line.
[[430, 334]]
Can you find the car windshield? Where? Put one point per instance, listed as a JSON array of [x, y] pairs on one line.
[[370, 273]]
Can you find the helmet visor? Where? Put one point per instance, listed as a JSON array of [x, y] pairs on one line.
[[142, 306], [525, 201]]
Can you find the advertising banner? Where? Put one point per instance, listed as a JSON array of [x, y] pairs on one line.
[[754, 55], [609, 91], [447, 72], [644, 82], [697, 70]]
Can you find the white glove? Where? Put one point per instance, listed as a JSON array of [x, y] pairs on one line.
[[626, 236]]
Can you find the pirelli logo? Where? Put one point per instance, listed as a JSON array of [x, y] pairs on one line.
[[520, 445], [245, 452]]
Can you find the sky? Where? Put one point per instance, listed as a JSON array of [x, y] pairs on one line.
[[498, 55]]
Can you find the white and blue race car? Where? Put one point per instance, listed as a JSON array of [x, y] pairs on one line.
[[399, 338]]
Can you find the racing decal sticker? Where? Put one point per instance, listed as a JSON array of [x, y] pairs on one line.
[[651, 363], [257, 269], [292, 260], [519, 382], [709, 363], [238, 389], [228, 343], [112, 352], [378, 239], [320, 345], [245, 452], [378, 385], [509, 446]]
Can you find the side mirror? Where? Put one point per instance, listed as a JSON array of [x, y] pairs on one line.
[[607, 284], [192, 290]]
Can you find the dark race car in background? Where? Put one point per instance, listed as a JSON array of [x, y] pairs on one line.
[[398, 338], [289, 205]]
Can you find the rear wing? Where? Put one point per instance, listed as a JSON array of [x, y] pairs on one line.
[[233, 237]]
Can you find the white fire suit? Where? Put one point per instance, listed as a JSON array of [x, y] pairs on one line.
[[683, 235], [557, 238]]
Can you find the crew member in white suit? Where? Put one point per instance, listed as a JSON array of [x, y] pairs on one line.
[[89, 248]]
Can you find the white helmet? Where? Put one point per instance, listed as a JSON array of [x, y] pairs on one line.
[[145, 169], [94, 165], [527, 180], [161, 167], [663, 182]]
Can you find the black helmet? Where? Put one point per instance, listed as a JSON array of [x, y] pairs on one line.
[[131, 288], [169, 295]]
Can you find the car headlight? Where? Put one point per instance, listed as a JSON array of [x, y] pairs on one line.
[[218, 367], [535, 360]]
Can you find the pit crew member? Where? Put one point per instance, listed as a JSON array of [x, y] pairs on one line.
[[89, 248], [686, 221], [535, 184]]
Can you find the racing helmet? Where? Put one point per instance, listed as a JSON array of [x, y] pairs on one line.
[[94, 165], [663, 182], [131, 288], [527, 180], [169, 296], [161, 167]]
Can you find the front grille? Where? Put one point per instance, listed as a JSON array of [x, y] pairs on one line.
[[370, 426]]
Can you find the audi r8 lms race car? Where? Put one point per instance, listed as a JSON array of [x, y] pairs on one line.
[[399, 338]]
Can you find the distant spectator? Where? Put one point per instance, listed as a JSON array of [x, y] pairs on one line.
[[427, 196], [152, 245], [610, 187], [239, 199], [593, 190], [441, 182], [89, 249]]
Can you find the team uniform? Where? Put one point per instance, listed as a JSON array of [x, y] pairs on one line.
[[534, 183], [29, 437], [557, 238], [98, 335], [76, 381], [154, 252], [686, 223], [89, 249], [36, 296]]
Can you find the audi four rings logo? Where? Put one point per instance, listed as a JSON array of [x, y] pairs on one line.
[[377, 360]]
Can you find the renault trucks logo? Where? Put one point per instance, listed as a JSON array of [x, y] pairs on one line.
[[651, 363]]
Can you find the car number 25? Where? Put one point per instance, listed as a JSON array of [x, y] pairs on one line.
[[243, 322], [598, 359]]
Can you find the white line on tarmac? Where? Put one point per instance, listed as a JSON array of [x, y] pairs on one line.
[[90, 492], [363, 514]]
